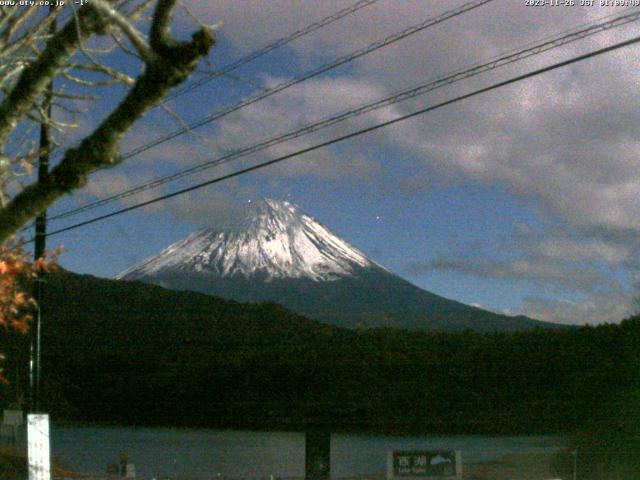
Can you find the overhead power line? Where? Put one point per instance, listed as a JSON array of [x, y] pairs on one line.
[[227, 69], [420, 89], [224, 71], [357, 133], [311, 74]]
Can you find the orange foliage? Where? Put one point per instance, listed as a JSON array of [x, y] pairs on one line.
[[16, 301]]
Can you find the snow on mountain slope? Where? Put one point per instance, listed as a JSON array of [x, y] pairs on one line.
[[279, 254], [277, 240]]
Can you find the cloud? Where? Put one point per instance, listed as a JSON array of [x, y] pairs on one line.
[[295, 108], [280, 114], [565, 140], [609, 308], [565, 143], [570, 249], [522, 269], [212, 208], [585, 294], [592, 276]]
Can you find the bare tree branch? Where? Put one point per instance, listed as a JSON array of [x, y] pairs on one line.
[[135, 37], [115, 75], [171, 63], [35, 77], [161, 27]]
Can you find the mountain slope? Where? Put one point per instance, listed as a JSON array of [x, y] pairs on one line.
[[277, 240], [281, 254]]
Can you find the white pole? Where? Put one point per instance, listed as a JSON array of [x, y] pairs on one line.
[[38, 446]]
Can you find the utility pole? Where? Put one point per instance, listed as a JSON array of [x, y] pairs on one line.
[[38, 440], [46, 142], [317, 454]]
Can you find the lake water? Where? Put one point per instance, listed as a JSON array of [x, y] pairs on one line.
[[225, 453]]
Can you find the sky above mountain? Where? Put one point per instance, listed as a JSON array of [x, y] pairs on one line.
[[522, 200]]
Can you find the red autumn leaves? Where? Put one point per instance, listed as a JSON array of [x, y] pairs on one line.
[[16, 274]]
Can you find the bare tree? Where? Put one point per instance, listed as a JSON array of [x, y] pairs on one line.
[[32, 56], [43, 67]]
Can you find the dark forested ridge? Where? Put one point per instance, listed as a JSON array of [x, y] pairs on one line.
[[126, 352]]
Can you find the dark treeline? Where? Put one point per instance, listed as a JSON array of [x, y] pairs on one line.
[[135, 354]]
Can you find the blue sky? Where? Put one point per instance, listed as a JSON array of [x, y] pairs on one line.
[[523, 200]]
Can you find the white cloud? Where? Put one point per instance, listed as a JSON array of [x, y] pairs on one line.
[[566, 142], [578, 278], [298, 107], [609, 308], [565, 249], [566, 139]]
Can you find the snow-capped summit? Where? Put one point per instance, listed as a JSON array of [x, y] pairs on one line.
[[276, 240], [280, 254]]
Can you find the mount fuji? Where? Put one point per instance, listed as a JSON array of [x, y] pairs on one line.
[[280, 254]]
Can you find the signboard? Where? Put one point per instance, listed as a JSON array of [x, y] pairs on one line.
[[38, 447], [12, 428], [424, 465], [12, 417]]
